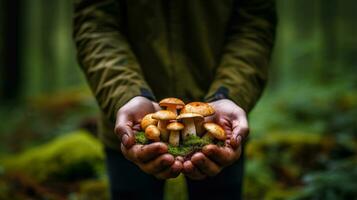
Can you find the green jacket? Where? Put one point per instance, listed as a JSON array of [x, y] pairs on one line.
[[197, 50]]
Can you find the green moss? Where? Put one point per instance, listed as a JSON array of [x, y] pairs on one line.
[[195, 141], [192, 144], [71, 156], [93, 190], [179, 151], [140, 138], [220, 143]]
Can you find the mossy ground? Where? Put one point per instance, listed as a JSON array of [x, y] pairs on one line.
[[76, 154], [189, 146]]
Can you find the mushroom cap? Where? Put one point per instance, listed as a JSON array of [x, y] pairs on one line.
[[148, 120], [175, 102], [152, 132], [189, 115], [198, 107], [164, 115], [215, 130], [175, 126]]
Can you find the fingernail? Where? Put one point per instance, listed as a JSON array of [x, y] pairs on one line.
[[162, 148], [124, 140], [179, 158], [238, 139]]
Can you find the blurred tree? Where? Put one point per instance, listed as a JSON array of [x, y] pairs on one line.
[[49, 55], [49, 13], [11, 40]]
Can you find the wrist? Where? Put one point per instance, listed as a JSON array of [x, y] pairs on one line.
[[221, 93], [147, 94]]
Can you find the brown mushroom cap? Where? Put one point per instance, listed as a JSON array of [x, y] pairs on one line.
[[189, 115], [148, 120], [198, 107], [175, 126], [152, 133], [164, 115], [215, 130], [178, 103]]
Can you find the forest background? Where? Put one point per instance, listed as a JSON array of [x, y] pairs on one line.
[[303, 142]]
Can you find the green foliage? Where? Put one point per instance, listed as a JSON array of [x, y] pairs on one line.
[[303, 131], [327, 109], [45, 117], [337, 182], [279, 159], [75, 155], [93, 190], [258, 179]]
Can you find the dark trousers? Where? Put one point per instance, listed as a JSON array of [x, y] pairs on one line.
[[127, 181]]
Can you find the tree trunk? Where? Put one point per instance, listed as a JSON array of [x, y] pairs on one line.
[[11, 66]]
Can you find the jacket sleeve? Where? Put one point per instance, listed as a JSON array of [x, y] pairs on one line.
[[104, 54], [242, 71]]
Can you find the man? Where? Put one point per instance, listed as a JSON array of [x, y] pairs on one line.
[[197, 50]]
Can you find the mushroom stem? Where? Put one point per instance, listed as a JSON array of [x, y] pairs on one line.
[[200, 130], [172, 109], [163, 131], [189, 128], [174, 139]]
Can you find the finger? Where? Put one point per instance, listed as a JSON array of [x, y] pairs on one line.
[[158, 165], [136, 127], [176, 168], [211, 118], [240, 127], [205, 165], [156, 106], [143, 153], [192, 172], [123, 128], [130, 153], [171, 172], [150, 151], [188, 167], [223, 156], [180, 158], [235, 142], [243, 126]]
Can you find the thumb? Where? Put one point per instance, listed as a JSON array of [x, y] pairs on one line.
[[123, 129], [156, 106], [240, 131]]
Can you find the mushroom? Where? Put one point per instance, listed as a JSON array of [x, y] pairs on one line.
[[163, 116], [172, 104], [152, 133], [214, 131], [188, 121], [174, 128], [147, 120], [200, 108]]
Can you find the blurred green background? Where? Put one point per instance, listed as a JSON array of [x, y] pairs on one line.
[[303, 140]]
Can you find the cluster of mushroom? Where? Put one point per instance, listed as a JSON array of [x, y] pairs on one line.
[[181, 121]]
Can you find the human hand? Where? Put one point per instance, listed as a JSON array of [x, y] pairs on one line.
[[152, 158], [213, 158]]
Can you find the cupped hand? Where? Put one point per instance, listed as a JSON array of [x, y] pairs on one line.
[[152, 158], [213, 158]]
